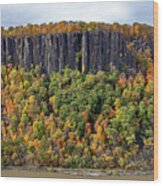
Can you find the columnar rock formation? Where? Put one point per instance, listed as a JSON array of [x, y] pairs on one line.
[[85, 51]]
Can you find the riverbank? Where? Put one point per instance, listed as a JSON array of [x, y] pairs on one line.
[[76, 173]]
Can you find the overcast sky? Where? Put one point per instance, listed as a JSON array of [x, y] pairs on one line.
[[109, 12]]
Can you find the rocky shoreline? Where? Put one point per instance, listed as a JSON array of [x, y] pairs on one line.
[[48, 172]]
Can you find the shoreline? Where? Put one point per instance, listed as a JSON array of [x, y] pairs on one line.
[[76, 173]]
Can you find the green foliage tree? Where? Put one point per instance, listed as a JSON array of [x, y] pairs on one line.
[[76, 120]]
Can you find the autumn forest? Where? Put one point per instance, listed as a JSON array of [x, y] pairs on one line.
[[73, 118]]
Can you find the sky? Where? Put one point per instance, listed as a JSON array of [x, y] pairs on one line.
[[108, 12]]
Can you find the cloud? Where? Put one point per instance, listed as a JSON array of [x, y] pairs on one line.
[[122, 12]]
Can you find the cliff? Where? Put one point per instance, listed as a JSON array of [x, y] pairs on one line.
[[85, 51]]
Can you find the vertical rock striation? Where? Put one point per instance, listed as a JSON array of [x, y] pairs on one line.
[[85, 51]]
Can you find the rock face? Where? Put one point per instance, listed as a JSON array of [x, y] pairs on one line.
[[85, 51]]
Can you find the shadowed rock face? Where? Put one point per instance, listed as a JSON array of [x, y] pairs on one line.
[[85, 51]]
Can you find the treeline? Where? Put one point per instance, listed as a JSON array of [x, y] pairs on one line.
[[136, 29], [74, 120]]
